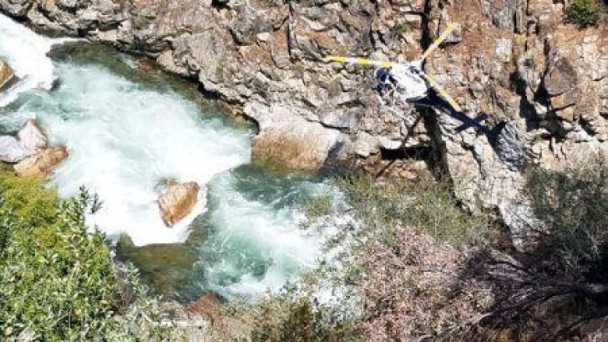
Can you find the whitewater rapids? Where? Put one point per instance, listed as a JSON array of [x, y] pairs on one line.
[[125, 138]]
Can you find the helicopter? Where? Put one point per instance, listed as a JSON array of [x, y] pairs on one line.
[[408, 82]]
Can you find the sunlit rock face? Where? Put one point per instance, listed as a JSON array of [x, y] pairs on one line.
[[11, 151], [41, 163], [177, 202], [29, 140], [287, 139]]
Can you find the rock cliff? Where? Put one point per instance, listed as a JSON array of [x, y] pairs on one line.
[[516, 60]]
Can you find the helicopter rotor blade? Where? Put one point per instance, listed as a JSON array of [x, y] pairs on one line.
[[438, 41], [457, 112], [358, 61], [441, 92]]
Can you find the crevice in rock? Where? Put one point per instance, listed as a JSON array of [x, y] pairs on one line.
[[414, 153], [219, 4], [212, 95], [425, 31], [344, 130], [526, 109], [437, 158], [333, 165], [542, 96]]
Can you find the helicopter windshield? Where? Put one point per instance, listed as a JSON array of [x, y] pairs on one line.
[[409, 86]]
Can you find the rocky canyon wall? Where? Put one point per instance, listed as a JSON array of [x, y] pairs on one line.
[[514, 59]]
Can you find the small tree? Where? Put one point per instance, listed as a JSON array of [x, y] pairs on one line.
[[547, 294], [58, 281]]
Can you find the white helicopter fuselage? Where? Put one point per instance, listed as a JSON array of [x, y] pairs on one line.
[[410, 86]]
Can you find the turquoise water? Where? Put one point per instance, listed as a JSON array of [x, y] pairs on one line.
[[126, 131]]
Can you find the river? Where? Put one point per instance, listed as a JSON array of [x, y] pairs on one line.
[[127, 130]]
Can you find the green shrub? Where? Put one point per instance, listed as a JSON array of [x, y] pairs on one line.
[[380, 268], [428, 207], [584, 13], [574, 206], [289, 316], [561, 284], [58, 282]]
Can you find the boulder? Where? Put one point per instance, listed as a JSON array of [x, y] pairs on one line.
[[6, 74], [31, 137], [41, 163], [11, 151], [177, 202], [16, 8], [286, 139]]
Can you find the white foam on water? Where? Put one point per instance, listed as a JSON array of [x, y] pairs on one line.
[[123, 141], [252, 232], [25, 51]]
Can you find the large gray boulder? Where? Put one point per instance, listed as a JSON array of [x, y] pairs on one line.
[[31, 136], [11, 151], [30, 140], [287, 139]]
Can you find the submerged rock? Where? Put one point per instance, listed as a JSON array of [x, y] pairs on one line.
[[31, 137], [177, 202], [165, 266], [41, 163], [6, 74], [287, 139]]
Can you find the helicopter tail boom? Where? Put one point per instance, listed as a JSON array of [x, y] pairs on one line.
[[441, 92]]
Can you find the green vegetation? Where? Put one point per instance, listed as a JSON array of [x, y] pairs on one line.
[[574, 206], [410, 265], [289, 316], [427, 207], [57, 282], [585, 13], [559, 285], [376, 272]]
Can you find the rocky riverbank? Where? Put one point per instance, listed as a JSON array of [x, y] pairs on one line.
[[516, 60]]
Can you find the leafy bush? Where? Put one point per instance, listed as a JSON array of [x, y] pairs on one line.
[[57, 282], [562, 285], [574, 206], [389, 279], [584, 13], [289, 316], [428, 207]]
